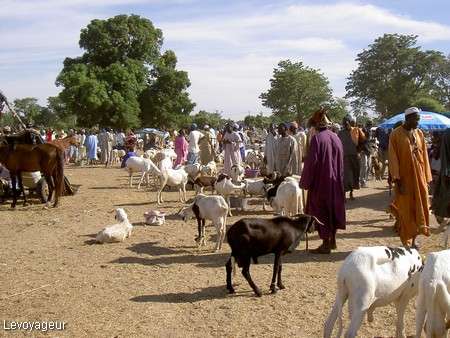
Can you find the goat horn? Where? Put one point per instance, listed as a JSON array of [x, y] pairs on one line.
[[317, 220], [128, 210]]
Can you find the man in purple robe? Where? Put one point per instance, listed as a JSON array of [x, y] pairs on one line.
[[322, 177]]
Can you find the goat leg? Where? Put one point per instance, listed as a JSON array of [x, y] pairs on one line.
[[276, 277], [246, 274], [229, 270]]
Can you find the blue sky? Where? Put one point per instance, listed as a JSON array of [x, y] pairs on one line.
[[229, 48]]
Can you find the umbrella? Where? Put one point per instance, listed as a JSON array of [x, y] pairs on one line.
[[428, 121]]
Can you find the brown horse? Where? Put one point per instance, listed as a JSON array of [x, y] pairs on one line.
[[47, 158], [63, 143]]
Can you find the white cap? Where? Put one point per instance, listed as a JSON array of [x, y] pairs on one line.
[[206, 127], [412, 110]]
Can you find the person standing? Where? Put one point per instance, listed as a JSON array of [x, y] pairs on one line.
[[350, 137], [121, 140], [410, 172], [322, 177], [300, 137], [106, 139], [91, 147], [286, 151], [269, 150], [193, 148], [232, 154], [382, 136], [441, 196], [181, 148], [206, 146]]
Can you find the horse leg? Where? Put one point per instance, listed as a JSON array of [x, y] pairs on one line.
[[13, 176], [51, 188], [22, 190]]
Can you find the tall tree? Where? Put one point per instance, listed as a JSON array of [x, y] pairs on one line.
[[296, 91], [103, 85], [391, 74], [165, 103]]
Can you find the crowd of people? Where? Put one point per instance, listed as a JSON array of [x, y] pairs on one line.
[[332, 160]]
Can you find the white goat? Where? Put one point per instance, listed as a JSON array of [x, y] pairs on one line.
[[372, 277], [434, 297], [213, 208], [117, 232], [288, 199], [256, 187], [143, 165], [254, 158], [209, 169], [237, 173], [225, 187], [174, 178], [165, 163], [191, 169]]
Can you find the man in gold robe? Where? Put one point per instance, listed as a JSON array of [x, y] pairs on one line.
[[410, 171]]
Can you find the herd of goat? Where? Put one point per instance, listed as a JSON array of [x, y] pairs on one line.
[[369, 277]]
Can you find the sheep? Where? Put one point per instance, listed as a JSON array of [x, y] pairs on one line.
[[121, 154], [288, 199], [143, 165], [174, 178], [213, 208], [203, 182], [250, 238], [225, 187], [434, 298], [117, 232], [115, 156], [372, 277], [256, 187]]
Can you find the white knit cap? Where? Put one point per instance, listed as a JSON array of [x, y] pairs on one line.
[[412, 110]]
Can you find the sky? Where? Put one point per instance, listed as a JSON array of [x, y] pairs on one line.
[[229, 48]]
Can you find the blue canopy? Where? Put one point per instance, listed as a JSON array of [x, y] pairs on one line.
[[428, 121]]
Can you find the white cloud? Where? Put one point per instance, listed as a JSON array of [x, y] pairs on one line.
[[229, 52]]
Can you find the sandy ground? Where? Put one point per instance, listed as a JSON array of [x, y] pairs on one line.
[[156, 283]]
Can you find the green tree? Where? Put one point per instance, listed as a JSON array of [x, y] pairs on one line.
[[203, 117], [165, 103], [29, 109], [296, 91], [391, 74], [103, 85]]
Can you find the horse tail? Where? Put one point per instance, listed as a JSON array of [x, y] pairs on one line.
[[59, 171]]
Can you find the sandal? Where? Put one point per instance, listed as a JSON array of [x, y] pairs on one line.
[[322, 249]]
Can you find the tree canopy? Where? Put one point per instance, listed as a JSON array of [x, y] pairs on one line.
[[296, 91], [117, 72], [392, 75]]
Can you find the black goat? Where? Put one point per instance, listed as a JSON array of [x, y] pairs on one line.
[[250, 238]]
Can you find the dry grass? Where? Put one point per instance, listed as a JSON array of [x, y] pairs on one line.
[[156, 283]]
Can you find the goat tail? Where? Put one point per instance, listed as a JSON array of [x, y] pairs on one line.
[[233, 266]]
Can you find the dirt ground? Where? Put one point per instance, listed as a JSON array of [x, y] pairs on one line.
[[156, 283]]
